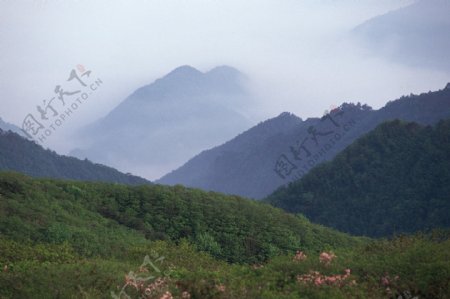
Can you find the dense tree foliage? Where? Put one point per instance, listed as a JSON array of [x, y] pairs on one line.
[[65, 239], [406, 266], [395, 179], [93, 217], [22, 155]]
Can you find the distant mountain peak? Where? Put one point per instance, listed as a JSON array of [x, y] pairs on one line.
[[170, 120], [224, 71], [184, 71], [286, 114], [284, 119], [187, 71]]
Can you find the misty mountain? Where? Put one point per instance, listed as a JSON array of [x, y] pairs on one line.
[[161, 125], [395, 179], [25, 156], [416, 35], [5, 126], [285, 148]]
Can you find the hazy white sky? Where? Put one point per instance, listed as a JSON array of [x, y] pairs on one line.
[[297, 52]]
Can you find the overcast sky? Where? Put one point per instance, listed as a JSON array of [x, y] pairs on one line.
[[296, 52]]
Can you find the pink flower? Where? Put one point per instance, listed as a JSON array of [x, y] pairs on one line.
[[221, 288], [299, 256], [331, 279], [318, 281], [326, 258], [167, 295]]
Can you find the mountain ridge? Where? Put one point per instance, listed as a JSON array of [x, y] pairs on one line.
[[241, 171], [172, 119], [5, 126], [22, 155], [392, 180]]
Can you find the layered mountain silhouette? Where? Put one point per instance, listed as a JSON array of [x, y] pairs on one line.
[[394, 179], [22, 155], [415, 35], [161, 125], [285, 148], [5, 126]]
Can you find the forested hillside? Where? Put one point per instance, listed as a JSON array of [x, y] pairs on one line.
[[393, 180], [25, 156], [230, 228], [61, 239]]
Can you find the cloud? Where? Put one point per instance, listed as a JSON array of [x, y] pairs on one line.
[[296, 52]]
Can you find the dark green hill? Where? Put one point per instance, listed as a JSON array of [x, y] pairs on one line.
[[394, 179], [93, 217], [68, 239], [25, 156]]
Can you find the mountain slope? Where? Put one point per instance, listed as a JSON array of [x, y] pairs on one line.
[[230, 228], [415, 35], [395, 179], [212, 170], [22, 155], [171, 120], [10, 127], [61, 239], [246, 164]]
